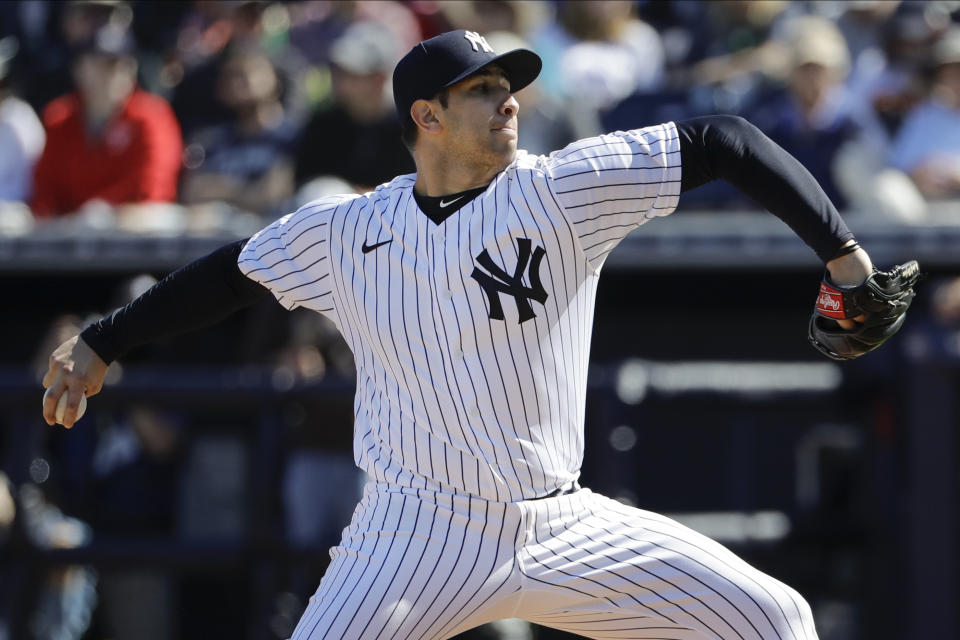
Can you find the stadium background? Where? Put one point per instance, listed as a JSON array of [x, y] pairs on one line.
[[199, 495]]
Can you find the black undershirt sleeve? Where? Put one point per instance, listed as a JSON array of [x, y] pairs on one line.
[[731, 148], [195, 296]]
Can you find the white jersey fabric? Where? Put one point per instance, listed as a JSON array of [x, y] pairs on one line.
[[471, 339], [450, 398]]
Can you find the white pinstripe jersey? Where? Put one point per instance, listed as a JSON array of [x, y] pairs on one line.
[[449, 396]]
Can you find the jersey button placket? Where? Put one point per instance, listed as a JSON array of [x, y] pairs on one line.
[[438, 281], [437, 238]]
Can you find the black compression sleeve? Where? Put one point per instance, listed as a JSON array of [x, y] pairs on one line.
[[197, 295], [731, 148]]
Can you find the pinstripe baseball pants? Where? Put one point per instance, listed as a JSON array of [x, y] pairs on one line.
[[416, 564]]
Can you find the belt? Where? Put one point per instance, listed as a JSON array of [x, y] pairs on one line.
[[570, 487]]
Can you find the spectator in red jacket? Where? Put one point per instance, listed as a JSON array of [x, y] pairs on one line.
[[109, 140]]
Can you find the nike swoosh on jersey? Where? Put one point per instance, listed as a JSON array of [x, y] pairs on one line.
[[444, 205], [367, 248]]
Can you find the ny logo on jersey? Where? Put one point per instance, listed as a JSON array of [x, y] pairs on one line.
[[477, 40], [498, 281]]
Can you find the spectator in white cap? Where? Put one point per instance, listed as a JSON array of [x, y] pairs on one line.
[[356, 135], [814, 117]]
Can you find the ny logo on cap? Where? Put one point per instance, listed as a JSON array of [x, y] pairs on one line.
[[477, 40]]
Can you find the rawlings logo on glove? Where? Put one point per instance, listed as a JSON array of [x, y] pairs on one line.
[[830, 301], [883, 299]]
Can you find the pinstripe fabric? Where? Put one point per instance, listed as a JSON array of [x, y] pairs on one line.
[[449, 398], [471, 339], [638, 574], [419, 564]]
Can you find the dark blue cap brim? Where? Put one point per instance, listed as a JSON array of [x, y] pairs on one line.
[[522, 67]]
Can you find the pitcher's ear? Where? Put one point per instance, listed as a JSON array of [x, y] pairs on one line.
[[424, 114]]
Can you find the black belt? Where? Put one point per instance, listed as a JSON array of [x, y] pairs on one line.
[[570, 487]]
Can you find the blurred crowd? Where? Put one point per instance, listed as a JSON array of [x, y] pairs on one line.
[[182, 117], [188, 115]]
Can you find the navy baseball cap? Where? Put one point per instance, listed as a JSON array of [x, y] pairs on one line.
[[449, 58]]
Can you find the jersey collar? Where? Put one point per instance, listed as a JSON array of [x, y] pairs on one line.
[[439, 208]]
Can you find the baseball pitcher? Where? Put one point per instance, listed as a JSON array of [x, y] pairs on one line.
[[466, 292]]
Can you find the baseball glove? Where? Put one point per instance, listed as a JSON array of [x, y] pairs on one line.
[[883, 298]]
